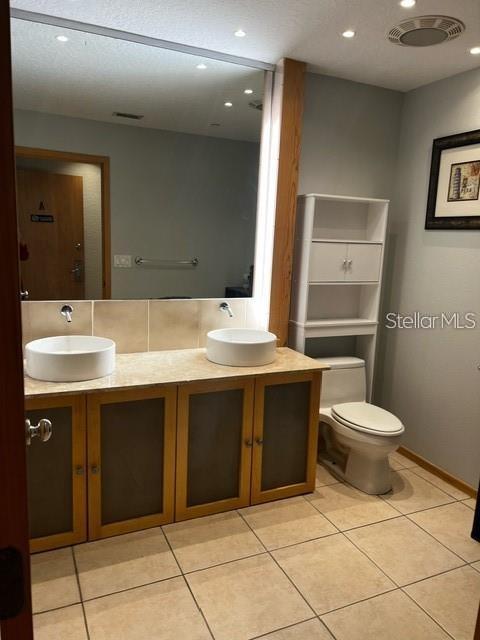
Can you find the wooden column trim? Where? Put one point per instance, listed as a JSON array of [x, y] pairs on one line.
[[286, 205], [13, 473]]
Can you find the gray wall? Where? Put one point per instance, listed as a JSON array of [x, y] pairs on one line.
[[173, 195], [430, 378], [366, 141], [350, 138]]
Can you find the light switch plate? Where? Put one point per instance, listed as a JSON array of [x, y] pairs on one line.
[[122, 262]]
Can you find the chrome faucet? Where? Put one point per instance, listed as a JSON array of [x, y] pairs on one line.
[[66, 312], [224, 306]]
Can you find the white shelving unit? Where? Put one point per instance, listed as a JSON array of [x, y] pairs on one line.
[[337, 277]]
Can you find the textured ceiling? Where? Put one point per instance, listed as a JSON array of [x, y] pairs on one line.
[[303, 29], [93, 76]]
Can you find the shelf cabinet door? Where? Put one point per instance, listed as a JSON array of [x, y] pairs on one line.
[[57, 474], [327, 262], [285, 435], [364, 262], [214, 447], [131, 460]]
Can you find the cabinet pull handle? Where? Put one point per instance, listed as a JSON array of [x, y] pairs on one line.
[[349, 264], [249, 443], [344, 264], [95, 468], [259, 441], [79, 470]]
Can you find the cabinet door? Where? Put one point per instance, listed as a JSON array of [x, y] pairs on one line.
[[131, 460], [285, 435], [214, 447], [363, 262], [327, 262], [56, 474]]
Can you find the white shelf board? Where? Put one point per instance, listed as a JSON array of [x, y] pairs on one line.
[[347, 241], [326, 196], [354, 327], [334, 322], [343, 282]]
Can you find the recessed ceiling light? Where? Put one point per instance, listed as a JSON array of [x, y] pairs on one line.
[[248, 91], [408, 4], [475, 51], [201, 66], [228, 104], [349, 33], [62, 38], [240, 33]]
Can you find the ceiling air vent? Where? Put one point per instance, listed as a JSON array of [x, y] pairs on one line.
[[130, 116], [425, 31]]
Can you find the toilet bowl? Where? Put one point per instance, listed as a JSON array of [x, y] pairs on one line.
[[356, 437]]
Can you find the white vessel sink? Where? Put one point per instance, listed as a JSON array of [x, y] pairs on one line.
[[70, 358], [241, 347]]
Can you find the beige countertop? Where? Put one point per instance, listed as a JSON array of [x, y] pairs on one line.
[[170, 367]]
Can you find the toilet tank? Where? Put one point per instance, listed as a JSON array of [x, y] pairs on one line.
[[344, 382]]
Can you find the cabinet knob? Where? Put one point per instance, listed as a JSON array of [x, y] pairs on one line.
[[79, 470], [42, 430], [259, 441], [249, 443], [95, 469]]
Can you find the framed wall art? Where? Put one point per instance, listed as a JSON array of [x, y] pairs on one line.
[[454, 190]]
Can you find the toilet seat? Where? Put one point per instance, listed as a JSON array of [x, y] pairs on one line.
[[365, 417]]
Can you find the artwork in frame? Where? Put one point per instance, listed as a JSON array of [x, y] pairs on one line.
[[454, 190]]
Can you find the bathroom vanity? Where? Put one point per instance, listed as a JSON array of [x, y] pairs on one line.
[[167, 437]]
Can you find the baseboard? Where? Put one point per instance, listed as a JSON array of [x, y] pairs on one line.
[[444, 475]]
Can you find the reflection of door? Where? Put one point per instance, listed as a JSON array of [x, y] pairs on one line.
[[50, 218]]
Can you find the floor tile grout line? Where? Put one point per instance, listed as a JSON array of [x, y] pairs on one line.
[[351, 604], [281, 569], [435, 575], [440, 626], [327, 628], [360, 526], [288, 626], [201, 612], [368, 557], [329, 631], [436, 539], [436, 486], [77, 577], [204, 617]]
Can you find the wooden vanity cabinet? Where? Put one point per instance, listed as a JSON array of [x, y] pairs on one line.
[[57, 473], [131, 460], [285, 435], [158, 454], [245, 442], [214, 447]]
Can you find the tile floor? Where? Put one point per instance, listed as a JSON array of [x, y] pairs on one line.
[[337, 564]]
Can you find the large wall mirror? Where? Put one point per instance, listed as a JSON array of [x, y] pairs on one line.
[[137, 168]]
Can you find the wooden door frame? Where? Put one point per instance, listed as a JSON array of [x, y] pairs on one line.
[[13, 467], [96, 529], [182, 510], [79, 461], [104, 163], [293, 74]]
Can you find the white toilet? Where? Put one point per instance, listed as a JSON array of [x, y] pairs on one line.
[[355, 436]]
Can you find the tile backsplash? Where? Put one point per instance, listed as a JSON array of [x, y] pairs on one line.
[[136, 325]]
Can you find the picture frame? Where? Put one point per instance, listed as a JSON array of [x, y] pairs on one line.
[[454, 188]]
